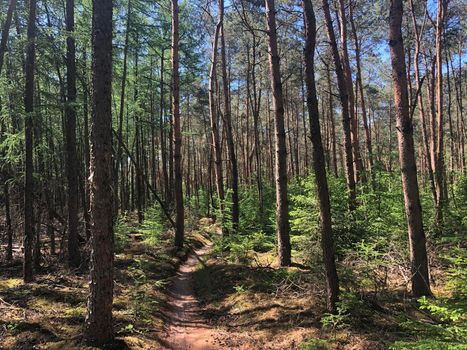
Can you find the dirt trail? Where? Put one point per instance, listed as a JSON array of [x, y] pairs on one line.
[[188, 330]]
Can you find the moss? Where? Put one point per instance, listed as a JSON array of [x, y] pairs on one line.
[[10, 283]]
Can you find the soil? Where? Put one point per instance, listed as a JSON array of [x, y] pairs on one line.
[[187, 328]]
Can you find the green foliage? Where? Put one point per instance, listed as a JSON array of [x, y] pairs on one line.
[[237, 247], [380, 213], [315, 344], [121, 230], [367, 265], [199, 203], [251, 217], [129, 329], [347, 304], [153, 225], [450, 329]]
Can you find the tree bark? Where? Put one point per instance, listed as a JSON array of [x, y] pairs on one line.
[[418, 36], [165, 174], [177, 135], [74, 258], [215, 123], [29, 166], [360, 89], [344, 98], [282, 207], [440, 180], [319, 165], [6, 31], [413, 210], [98, 324], [228, 123], [357, 160], [122, 108], [9, 230]]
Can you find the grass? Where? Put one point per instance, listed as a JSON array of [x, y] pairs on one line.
[[50, 312]]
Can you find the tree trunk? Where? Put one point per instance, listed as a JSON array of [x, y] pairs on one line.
[[319, 164], [344, 98], [228, 123], [98, 327], [439, 152], [357, 160], [421, 109], [413, 210], [29, 165], [9, 230], [74, 258], [165, 174], [122, 108], [87, 155], [282, 208], [6, 31], [177, 135], [215, 123], [360, 89]]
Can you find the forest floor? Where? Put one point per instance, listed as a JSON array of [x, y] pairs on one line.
[[197, 300]]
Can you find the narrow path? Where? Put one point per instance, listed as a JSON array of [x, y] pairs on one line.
[[188, 330]]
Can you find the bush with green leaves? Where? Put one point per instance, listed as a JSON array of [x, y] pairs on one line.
[[121, 230], [237, 248], [153, 225], [447, 328], [348, 304]]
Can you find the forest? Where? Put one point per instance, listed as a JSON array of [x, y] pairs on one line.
[[233, 174]]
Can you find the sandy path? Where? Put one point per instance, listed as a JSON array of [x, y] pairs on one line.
[[188, 330]]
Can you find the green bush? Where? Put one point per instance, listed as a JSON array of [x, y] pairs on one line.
[[153, 225], [450, 331], [121, 231]]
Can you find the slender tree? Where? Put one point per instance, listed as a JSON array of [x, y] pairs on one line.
[[213, 114], [70, 130], [28, 130], [228, 123], [122, 106], [344, 99], [413, 209], [98, 327], [177, 134], [6, 31], [357, 160], [282, 208], [440, 169], [319, 164]]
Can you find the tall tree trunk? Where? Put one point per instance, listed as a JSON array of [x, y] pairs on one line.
[[87, 156], [215, 123], [228, 123], [74, 258], [319, 164], [333, 124], [413, 209], [6, 31], [360, 88], [282, 207], [177, 135], [122, 107], [98, 327], [421, 109], [344, 98], [165, 174], [440, 180], [28, 272], [357, 160], [9, 230]]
